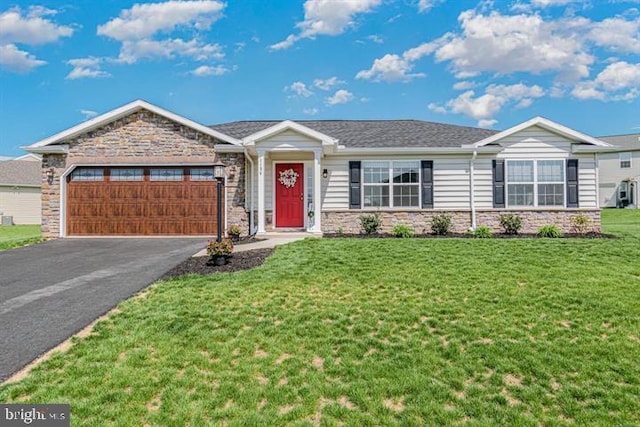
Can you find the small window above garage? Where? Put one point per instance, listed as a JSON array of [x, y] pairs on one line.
[[87, 174]]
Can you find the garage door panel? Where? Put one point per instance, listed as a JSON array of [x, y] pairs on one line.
[[141, 207]]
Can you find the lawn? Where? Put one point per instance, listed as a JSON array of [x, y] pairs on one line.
[[372, 332], [19, 235]]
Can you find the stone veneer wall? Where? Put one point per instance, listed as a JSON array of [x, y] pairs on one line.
[[142, 138], [532, 220]]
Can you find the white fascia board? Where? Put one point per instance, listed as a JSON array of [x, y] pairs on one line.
[[50, 149], [416, 150], [594, 149], [5, 184], [545, 124], [227, 148], [288, 125], [124, 111]]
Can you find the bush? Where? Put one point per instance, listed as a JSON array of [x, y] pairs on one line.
[[441, 224], [223, 247], [370, 224], [551, 231], [235, 230], [403, 231], [580, 224], [511, 223], [482, 232]]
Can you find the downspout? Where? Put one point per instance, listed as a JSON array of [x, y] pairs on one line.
[[247, 156], [595, 160], [473, 190]]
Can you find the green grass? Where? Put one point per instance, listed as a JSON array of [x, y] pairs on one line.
[[372, 332], [19, 235]]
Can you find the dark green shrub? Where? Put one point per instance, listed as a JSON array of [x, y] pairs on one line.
[[370, 224], [482, 232], [441, 224], [551, 231], [403, 231], [511, 223]]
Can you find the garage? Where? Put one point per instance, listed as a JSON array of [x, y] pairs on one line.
[[141, 201]]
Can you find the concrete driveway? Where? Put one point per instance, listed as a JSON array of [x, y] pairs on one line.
[[52, 290]]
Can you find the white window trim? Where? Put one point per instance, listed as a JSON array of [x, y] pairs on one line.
[[535, 184], [391, 185], [627, 159]]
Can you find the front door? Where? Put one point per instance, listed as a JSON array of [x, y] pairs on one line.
[[289, 195]]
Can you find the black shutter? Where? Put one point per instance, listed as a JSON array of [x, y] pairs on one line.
[[354, 185], [427, 184], [572, 183], [498, 183]]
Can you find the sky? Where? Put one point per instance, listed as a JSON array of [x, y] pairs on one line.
[[491, 64]]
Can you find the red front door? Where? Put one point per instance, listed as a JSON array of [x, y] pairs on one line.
[[289, 195]]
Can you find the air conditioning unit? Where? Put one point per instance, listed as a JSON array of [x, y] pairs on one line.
[[7, 220]]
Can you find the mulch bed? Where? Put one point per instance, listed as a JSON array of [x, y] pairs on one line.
[[470, 236], [237, 261]]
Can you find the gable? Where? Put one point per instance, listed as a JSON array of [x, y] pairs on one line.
[[537, 142]]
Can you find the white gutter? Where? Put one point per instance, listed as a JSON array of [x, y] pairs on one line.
[[595, 159], [250, 195], [473, 191], [416, 150]]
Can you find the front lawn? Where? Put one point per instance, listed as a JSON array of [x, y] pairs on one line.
[[372, 332], [19, 235]]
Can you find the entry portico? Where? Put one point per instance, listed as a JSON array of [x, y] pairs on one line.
[[288, 170]]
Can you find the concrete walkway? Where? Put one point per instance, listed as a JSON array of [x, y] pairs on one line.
[[270, 241]]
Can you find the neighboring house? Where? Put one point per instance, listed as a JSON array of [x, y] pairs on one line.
[[619, 172], [142, 170], [20, 191]]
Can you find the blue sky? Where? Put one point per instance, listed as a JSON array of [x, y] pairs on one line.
[[478, 63]]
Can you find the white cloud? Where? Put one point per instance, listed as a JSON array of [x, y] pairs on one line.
[[310, 111], [30, 29], [617, 34], [487, 123], [145, 20], [327, 84], [88, 114], [86, 68], [135, 50], [299, 89], [208, 70], [549, 3], [389, 68], [326, 17], [376, 38], [437, 108], [340, 97], [619, 81], [16, 60], [427, 5], [464, 85]]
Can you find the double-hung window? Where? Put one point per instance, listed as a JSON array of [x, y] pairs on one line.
[[391, 184], [535, 183]]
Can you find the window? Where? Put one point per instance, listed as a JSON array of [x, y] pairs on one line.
[[166, 175], [391, 184], [535, 183], [86, 174], [127, 174], [625, 160], [202, 174]]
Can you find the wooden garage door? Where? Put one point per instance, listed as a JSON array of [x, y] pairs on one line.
[[141, 201]]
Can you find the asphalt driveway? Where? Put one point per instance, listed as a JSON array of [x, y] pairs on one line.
[[52, 290]]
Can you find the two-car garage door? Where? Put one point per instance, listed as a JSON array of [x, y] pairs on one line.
[[143, 201]]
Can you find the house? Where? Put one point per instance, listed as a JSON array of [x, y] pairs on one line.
[[619, 172], [142, 170], [20, 191]]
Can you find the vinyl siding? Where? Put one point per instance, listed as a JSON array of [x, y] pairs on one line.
[[611, 174], [22, 203]]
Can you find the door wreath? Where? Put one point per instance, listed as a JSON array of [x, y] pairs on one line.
[[288, 178]]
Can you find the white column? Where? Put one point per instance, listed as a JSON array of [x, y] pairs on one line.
[[317, 196], [261, 178]]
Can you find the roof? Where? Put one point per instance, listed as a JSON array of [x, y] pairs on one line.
[[623, 142], [373, 133], [20, 173]]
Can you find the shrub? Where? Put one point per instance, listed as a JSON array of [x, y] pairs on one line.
[[340, 231], [482, 232], [511, 223], [370, 224], [235, 230], [223, 247], [580, 224], [403, 231], [441, 224], [551, 231]]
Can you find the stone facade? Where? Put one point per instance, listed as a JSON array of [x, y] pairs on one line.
[[142, 138], [349, 221]]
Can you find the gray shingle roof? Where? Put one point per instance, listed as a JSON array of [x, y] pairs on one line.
[[374, 133], [20, 172], [623, 142]]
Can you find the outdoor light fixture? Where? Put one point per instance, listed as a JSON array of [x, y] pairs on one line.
[[49, 173], [325, 173], [218, 173]]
